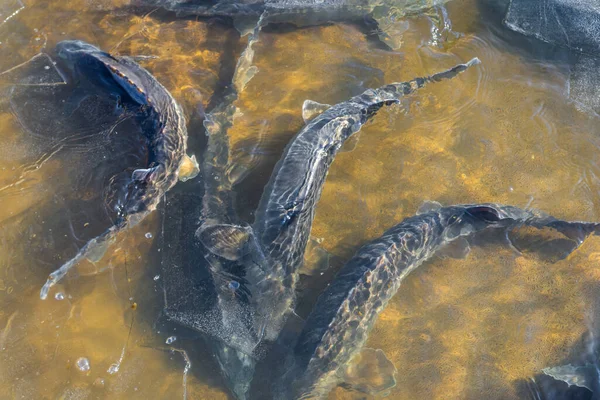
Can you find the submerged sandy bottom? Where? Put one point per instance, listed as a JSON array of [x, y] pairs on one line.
[[502, 132]]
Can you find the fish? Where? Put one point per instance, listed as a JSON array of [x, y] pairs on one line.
[[163, 124], [569, 27], [577, 377], [340, 322], [300, 13], [566, 23], [271, 250]]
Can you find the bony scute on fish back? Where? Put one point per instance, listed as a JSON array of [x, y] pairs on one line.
[[287, 207], [345, 312], [163, 126]]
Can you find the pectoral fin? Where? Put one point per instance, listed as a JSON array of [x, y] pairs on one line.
[[225, 240], [370, 372], [458, 248], [544, 243], [428, 206], [189, 168], [316, 259], [312, 109], [245, 24], [391, 29], [582, 376]]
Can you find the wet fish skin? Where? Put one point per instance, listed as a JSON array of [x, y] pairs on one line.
[[297, 12], [162, 121], [346, 311], [286, 210]]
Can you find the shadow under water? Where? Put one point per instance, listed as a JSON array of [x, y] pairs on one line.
[[506, 132]]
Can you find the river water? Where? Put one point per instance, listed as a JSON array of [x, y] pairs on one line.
[[504, 131]]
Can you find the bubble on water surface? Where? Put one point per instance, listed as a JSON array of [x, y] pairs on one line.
[[234, 285], [59, 296], [171, 339], [156, 277], [148, 235], [83, 364]]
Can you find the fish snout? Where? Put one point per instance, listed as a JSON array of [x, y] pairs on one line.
[[68, 49]]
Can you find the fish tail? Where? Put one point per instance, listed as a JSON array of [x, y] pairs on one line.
[[452, 72], [94, 245], [394, 91]]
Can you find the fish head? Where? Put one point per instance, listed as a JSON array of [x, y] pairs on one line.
[[464, 220], [72, 49], [75, 54], [86, 61]]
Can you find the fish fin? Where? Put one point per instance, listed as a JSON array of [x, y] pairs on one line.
[[350, 143], [245, 24], [428, 206], [316, 259], [458, 248], [370, 372], [391, 29], [189, 168], [544, 243], [143, 175], [582, 376], [312, 109], [225, 240]]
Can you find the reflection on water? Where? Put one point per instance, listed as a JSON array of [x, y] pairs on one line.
[[505, 132]]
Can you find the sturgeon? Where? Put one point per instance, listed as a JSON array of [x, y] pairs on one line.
[[346, 311], [272, 249], [163, 124], [246, 13]]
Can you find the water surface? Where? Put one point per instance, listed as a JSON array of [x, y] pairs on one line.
[[505, 131]]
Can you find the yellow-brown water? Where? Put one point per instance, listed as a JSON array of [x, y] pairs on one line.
[[502, 132]]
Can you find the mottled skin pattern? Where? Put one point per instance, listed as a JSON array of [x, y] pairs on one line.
[[162, 122], [346, 311], [298, 12], [287, 208]]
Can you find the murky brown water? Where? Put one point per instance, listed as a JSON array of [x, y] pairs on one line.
[[502, 132]]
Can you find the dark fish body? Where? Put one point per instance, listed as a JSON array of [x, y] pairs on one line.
[[298, 12], [346, 311], [162, 120], [567, 23], [287, 208], [255, 305], [163, 125]]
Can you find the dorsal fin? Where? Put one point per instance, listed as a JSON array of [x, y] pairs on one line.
[[312, 109]]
